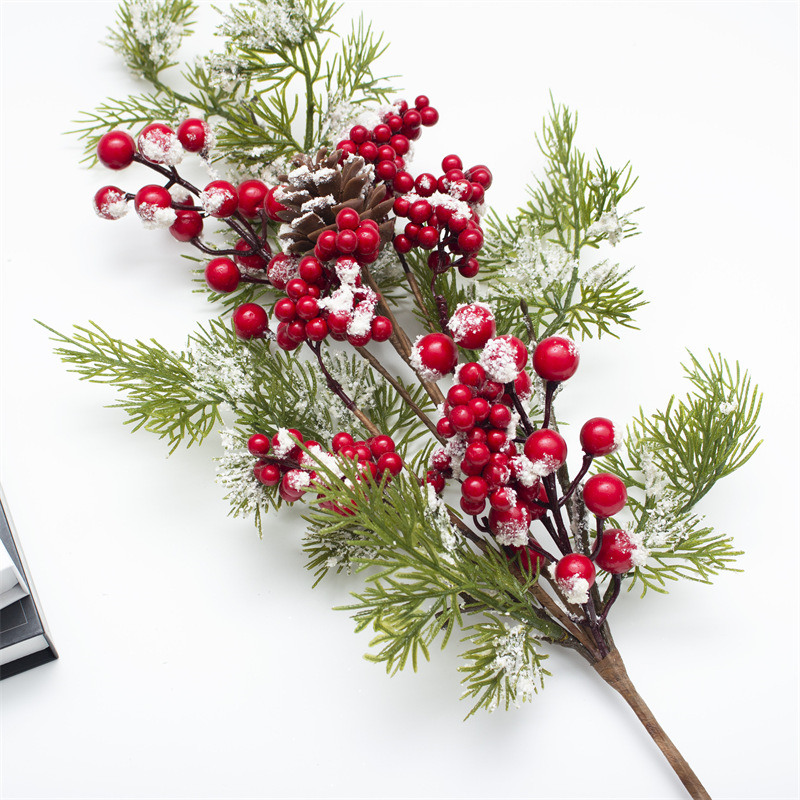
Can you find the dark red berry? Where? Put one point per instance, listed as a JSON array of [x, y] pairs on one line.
[[252, 194], [250, 321], [547, 449], [192, 134], [555, 358], [222, 275], [116, 150], [187, 226], [598, 437], [604, 494]]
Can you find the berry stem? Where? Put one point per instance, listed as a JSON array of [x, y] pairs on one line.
[[537, 548], [616, 584], [549, 391], [213, 252], [587, 462], [400, 389], [612, 670], [412, 282], [598, 542], [565, 550], [523, 415], [337, 389], [555, 510], [523, 307]]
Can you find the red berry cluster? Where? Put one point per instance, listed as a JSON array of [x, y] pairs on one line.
[[387, 143], [442, 215], [170, 205], [346, 312], [283, 463], [480, 425]]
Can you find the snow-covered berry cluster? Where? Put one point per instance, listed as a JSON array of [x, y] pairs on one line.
[[282, 462]]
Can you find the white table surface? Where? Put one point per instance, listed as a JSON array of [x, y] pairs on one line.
[[196, 661]]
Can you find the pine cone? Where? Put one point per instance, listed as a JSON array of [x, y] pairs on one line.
[[317, 189]]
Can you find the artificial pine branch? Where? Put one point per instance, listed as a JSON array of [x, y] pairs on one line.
[[379, 454]]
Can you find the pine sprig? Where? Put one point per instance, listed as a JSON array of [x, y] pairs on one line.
[[504, 666], [674, 457], [161, 393]]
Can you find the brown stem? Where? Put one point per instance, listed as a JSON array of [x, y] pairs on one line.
[[612, 670], [400, 389]]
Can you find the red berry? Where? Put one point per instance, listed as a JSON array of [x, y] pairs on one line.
[[251, 197], [472, 325], [605, 494], [445, 428], [477, 454], [307, 308], [496, 440], [391, 462], [285, 310], [159, 144], [368, 240], [459, 395], [296, 330], [346, 241], [222, 275], [510, 527], [272, 206], [462, 418], [574, 567], [555, 358], [473, 507], [469, 268], [403, 182], [435, 479], [317, 329], [247, 258], [359, 134], [461, 190], [428, 237], [429, 116], [480, 174], [420, 211], [425, 184], [451, 162], [348, 219], [296, 288], [368, 151], [474, 488], [385, 170], [523, 385], [116, 150], [192, 134], [598, 437], [472, 374], [616, 551], [499, 416], [379, 445], [283, 340], [310, 269], [547, 449], [280, 270], [152, 195], [341, 440], [258, 444], [480, 408], [250, 321], [220, 199], [268, 474], [503, 358], [187, 226], [501, 499], [347, 147], [402, 243], [412, 119], [110, 202], [434, 355], [470, 240], [381, 328]]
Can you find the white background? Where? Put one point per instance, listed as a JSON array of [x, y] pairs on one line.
[[195, 659]]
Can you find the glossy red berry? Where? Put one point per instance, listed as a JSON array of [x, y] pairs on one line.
[[616, 552], [435, 479], [250, 321], [403, 182], [187, 226], [434, 355], [222, 275], [556, 358], [220, 199], [425, 184], [381, 328], [310, 269], [340, 440], [469, 268], [245, 256], [252, 194], [272, 205], [317, 329], [193, 134], [268, 474], [462, 418], [116, 150], [359, 134], [348, 219], [307, 308], [390, 462], [546, 449], [472, 374], [470, 240], [480, 174], [451, 162], [475, 488], [459, 394], [472, 325], [604, 494], [598, 437], [296, 288], [429, 116], [259, 444], [574, 567], [499, 416]]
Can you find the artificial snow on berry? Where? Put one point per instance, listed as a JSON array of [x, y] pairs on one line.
[[575, 575], [620, 551], [503, 358], [110, 202], [472, 325], [153, 205], [159, 144], [546, 450], [219, 199], [510, 527], [193, 134]]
